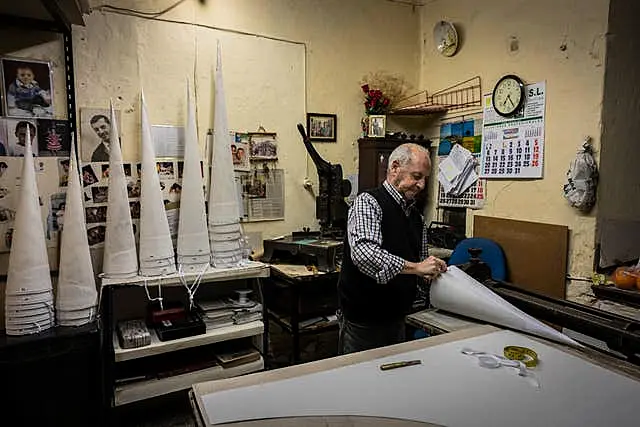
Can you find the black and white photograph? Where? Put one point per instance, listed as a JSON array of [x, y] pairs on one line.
[[100, 194], [377, 124], [263, 146], [95, 134], [4, 146], [133, 189], [88, 176], [17, 136], [28, 88], [134, 208], [54, 139], [4, 166], [96, 214], [56, 216], [127, 169], [95, 235], [63, 172], [321, 127], [165, 170]]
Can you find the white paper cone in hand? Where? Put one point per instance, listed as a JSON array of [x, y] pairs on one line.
[[193, 235], [457, 292], [28, 270], [120, 258], [155, 236], [76, 280]]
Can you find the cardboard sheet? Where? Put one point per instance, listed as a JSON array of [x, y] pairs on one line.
[[448, 388]]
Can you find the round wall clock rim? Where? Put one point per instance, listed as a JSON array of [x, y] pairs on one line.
[[520, 103]]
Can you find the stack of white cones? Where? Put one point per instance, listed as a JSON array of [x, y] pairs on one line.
[[225, 233], [194, 254], [76, 299], [28, 293], [156, 248], [120, 257]]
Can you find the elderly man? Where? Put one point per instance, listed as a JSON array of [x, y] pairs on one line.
[[385, 255]]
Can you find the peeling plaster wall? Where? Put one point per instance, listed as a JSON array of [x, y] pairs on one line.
[[560, 41], [335, 43]]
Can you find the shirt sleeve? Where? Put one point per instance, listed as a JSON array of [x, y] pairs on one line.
[[425, 241], [365, 239]]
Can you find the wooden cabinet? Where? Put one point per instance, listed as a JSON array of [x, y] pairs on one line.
[[373, 158]]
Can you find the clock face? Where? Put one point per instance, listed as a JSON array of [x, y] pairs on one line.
[[508, 95]]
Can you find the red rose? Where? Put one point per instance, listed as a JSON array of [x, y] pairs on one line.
[[386, 101], [365, 88]]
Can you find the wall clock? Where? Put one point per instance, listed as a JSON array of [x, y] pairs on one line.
[[445, 37], [508, 95]]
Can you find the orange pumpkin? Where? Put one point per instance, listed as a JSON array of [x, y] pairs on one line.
[[623, 279]]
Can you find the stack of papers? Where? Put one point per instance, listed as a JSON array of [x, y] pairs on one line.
[[458, 171], [227, 312]]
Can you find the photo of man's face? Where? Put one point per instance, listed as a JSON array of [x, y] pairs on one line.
[[102, 128]]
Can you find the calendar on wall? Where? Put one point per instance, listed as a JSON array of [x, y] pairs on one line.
[[513, 147]]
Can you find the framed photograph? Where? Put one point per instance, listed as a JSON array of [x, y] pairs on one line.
[[322, 127], [377, 126], [263, 145], [54, 139], [28, 88], [17, 136]]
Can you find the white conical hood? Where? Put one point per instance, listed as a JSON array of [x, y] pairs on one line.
[[193, 236], [459, 293], [28, 262], [156, 247], [76, 281], [223, 204], [120, 258]]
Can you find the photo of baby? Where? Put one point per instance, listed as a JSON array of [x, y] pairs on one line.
[[28, 87]]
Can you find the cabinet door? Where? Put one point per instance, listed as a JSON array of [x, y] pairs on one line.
[[382, 159]]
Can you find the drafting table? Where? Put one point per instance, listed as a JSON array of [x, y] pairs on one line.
[[448, 388]]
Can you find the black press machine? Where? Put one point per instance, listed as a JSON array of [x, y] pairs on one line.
[[320, 248]]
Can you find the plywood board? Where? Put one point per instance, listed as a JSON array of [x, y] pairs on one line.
[[448, 388], [536, 253]]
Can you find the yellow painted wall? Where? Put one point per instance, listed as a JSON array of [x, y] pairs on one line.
[[338, 43], [574, 81]]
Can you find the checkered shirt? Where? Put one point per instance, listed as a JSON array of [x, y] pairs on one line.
[[365, 237]]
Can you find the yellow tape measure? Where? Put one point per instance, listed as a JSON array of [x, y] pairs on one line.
[[522, 354]]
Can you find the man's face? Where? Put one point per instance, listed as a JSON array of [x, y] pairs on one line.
[[21, 134], [102, 129], [411, 178], [25, 75]]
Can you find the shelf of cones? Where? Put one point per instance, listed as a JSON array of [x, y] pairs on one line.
[[156, 347], [147, 389], [249, 270]]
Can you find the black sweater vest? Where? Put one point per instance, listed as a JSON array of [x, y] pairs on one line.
[[361, 297]]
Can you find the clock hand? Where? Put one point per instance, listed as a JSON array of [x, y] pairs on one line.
[[509, 98]]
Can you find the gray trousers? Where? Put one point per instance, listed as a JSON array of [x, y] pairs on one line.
[[359, 336]]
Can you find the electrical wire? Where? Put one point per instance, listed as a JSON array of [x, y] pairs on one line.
[[139, 12]]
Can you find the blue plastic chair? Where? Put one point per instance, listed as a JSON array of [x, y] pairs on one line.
[[491, 254]]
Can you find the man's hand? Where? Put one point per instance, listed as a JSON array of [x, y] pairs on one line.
[[429, 268]]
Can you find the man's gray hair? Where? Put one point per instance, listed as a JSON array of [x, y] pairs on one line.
[[405, 153]]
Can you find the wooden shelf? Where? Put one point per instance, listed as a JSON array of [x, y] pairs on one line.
[[251, 270], [211, 336], [147, 389]]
